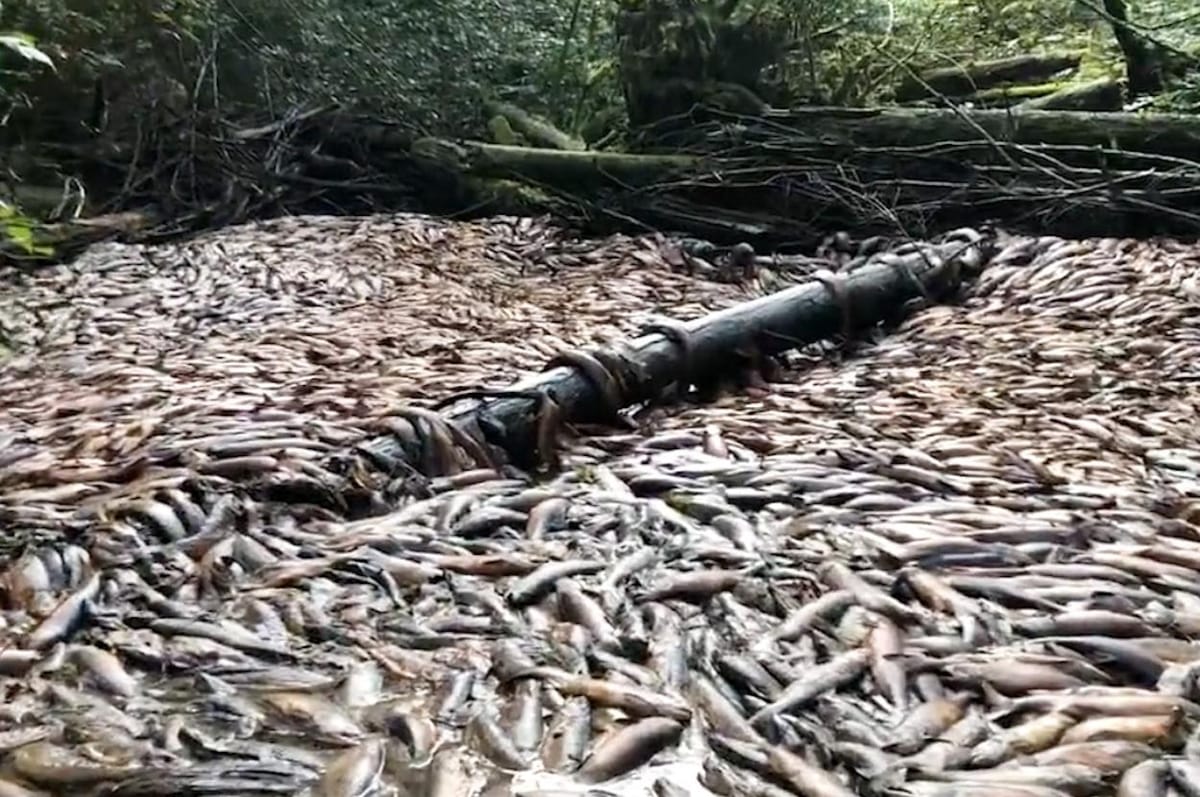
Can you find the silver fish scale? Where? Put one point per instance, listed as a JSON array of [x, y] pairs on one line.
[[963, 558]]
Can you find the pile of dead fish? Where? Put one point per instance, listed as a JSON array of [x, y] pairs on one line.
[[961, 561]]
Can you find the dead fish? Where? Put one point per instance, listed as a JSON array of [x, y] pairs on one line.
[[526, 722], [804, 778], [316, 714], [1131, 657], [47, 764], [1033, 736], [886, 643], [833, 674], [540, 581], [926, 721], [1164, 731], [719, 711], [546, 516], [1061, 779], [634, 700], [1100, 701], [106, 669], [1109, 758], [695, 586], [66, 618], [629, 748], [827, 607], [457, 692], [567, 740], [354, 773], [1147, 779], [838, 576], [1011, 678], [1083, 623], [361, 686], [493, 742], [9, 788], [227, 633]]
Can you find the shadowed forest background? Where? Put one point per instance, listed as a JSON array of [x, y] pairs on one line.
[[162, 118]]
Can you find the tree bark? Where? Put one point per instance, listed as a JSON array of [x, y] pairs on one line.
[[959, 81], [1143, 60]]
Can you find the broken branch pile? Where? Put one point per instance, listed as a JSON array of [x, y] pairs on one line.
[[885, 171], [780, 180]]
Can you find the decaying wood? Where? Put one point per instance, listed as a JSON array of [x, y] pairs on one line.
[[1096, 95], [549, 166], [538, 131], [1162, 134], [958, 81], [717, 343]]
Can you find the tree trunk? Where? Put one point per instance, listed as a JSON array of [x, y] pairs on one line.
[[1143, 61], [959, 81], [673, 56]]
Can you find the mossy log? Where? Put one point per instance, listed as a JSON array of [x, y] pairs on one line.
[[1006, 96], [536, 130], [1096, 95], [1176, 135], [959, 81], [550, 166]]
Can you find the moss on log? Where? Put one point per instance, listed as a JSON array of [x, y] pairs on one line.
[[1095, 95], [1003, 96], [535, 129], [549, 166], [959, 81]]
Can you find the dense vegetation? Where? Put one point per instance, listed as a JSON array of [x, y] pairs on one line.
[[104, 75]]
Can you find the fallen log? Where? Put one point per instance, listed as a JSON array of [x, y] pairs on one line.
[[595, 387], [1006, 96], [550, 166], [1176, 135], [1095, 95], [539, 131], [958, 81]]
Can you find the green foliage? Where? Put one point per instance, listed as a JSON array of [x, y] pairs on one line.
[[17, 230], [426, 63], [23, 45]]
